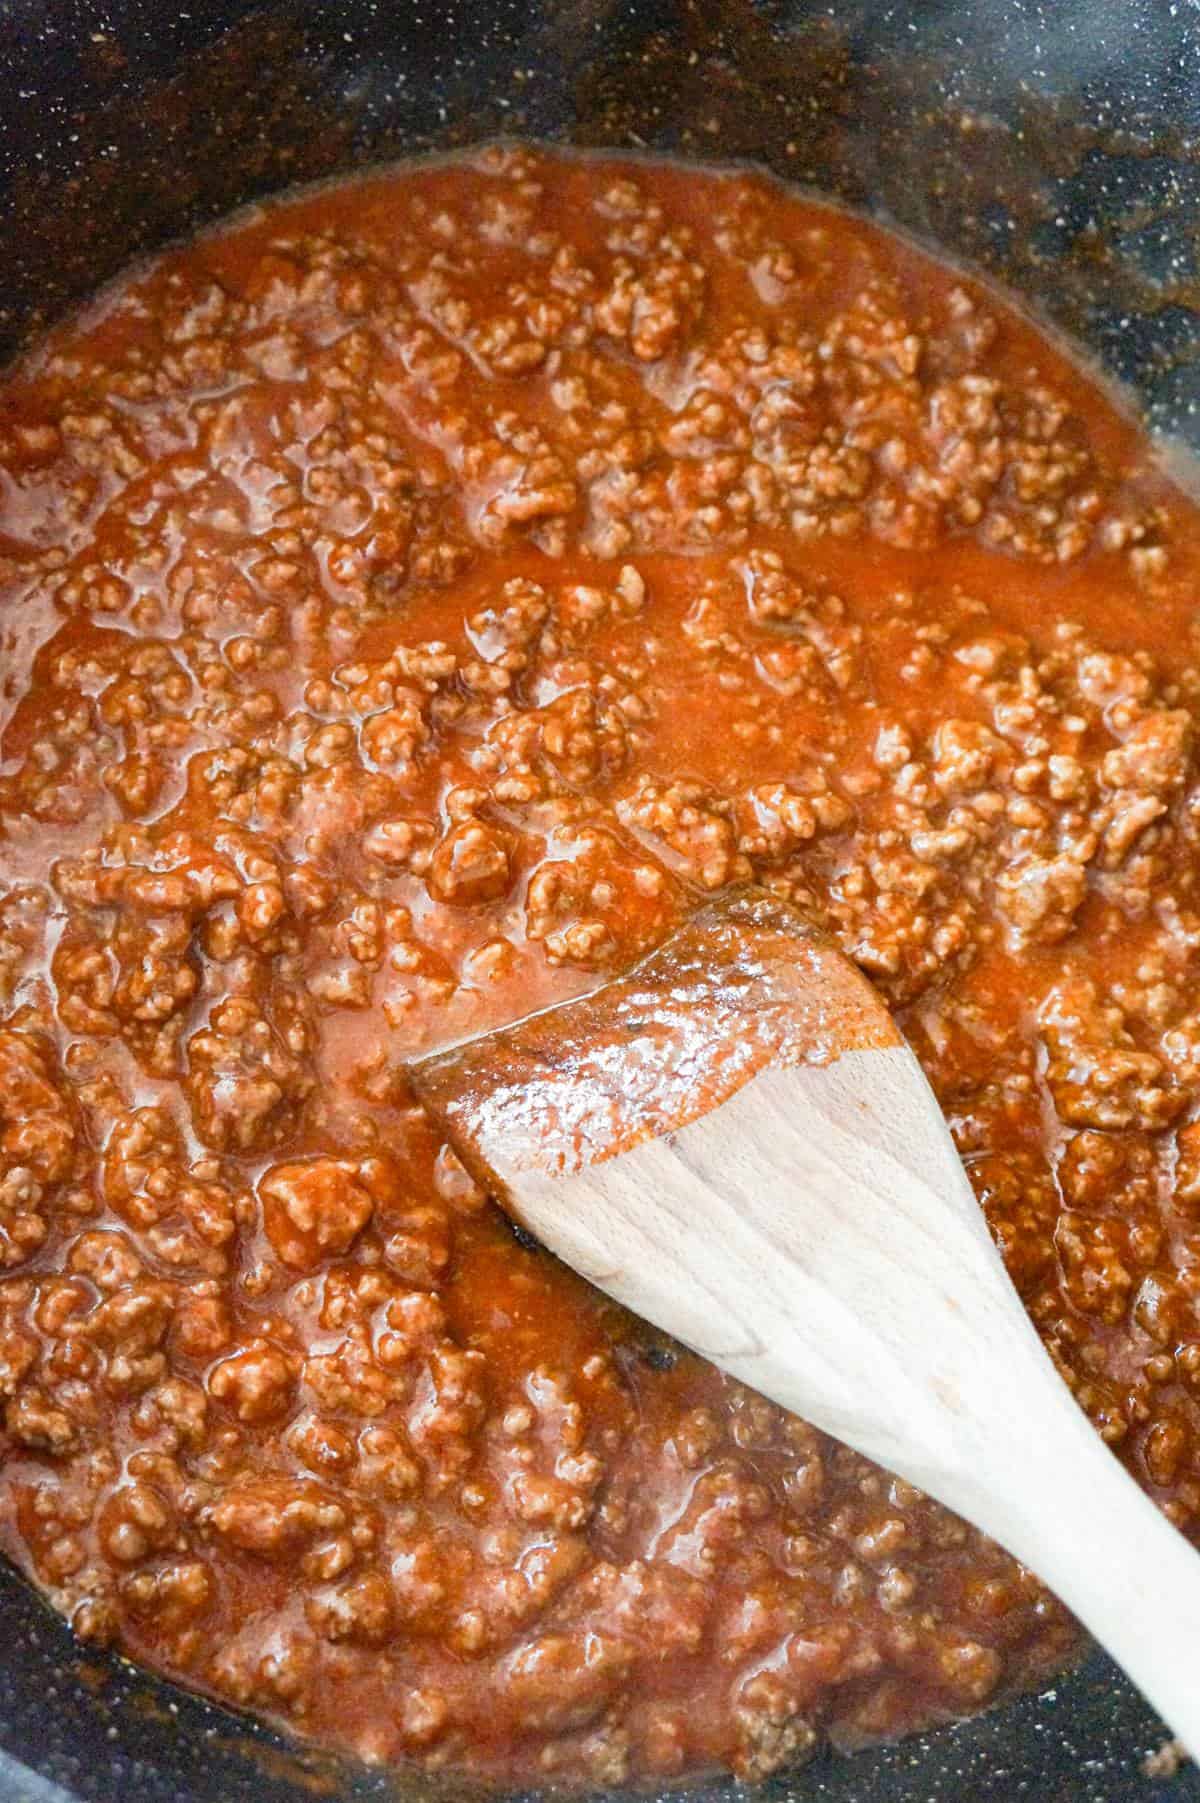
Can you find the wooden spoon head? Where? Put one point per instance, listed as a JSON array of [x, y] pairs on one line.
[[746, 983], [735, 1142]]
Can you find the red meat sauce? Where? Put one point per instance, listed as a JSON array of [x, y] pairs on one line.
[[417, 598]]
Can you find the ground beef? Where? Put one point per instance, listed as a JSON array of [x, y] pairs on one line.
[[420, 596]]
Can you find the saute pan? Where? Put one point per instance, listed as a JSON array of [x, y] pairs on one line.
[[1051, 145]]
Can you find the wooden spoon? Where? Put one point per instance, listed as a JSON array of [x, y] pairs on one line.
[[735, 1142]]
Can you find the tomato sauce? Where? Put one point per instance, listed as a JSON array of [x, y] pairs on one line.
[[416, 599]]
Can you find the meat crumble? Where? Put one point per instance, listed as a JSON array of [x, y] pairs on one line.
[[415, 599]]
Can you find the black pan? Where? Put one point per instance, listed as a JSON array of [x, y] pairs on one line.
[[1050, 145]]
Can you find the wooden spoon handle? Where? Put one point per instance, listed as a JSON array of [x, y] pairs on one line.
[[1004, 1444], [1052, 1493]]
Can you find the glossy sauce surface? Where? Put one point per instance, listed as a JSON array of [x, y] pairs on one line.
[[413, 602]]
